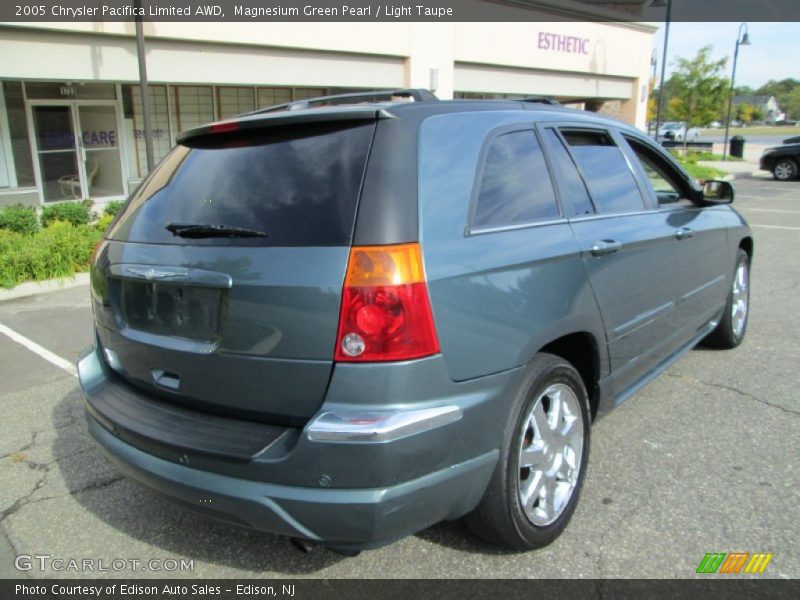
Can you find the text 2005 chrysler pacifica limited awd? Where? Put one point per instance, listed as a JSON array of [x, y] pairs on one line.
[[344, 321]]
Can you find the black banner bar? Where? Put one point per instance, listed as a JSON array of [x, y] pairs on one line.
[[733, 588], [19, 11]]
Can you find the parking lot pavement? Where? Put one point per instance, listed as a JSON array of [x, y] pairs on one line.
[[705, 459]]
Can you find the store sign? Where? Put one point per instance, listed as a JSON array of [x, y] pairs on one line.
[[68, 90], [568, 44], [99, 138]]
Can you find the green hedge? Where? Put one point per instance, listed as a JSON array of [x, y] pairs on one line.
[[112, 208], [59, 250], [76, 213], [20, 219]]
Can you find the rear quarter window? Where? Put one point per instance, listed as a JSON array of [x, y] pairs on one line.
[[609, 178], [299, 186], [515, 186]]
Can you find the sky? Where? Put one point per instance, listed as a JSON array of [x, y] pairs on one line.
[[774, 53]]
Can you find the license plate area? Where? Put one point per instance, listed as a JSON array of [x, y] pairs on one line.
[[173, 310]]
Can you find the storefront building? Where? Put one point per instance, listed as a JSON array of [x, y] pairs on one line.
[[71, 114]]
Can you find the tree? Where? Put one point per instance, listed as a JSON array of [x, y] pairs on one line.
[[744, 112], [699, 89], [786, 93], [791, 104]]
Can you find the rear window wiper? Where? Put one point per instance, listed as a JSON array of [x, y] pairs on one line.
[[200, 230]]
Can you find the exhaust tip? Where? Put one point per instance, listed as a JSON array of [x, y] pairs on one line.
[[305, 546]]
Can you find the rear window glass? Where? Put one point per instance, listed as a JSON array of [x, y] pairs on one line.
[[515, 187], [610, 179], [298, 186]]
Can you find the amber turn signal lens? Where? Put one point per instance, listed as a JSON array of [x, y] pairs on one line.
[[385, 265]]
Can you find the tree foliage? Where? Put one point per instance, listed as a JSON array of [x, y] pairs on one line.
[[786, 92], [698, 89]]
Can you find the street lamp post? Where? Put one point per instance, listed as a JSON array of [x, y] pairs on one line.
[[657, 4], [654, 64], [741, 40]]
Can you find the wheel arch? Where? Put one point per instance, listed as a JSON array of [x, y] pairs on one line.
[[581, 350], [746, 244]]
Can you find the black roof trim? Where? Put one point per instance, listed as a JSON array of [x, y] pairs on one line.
[[541, 100], [415, 94]]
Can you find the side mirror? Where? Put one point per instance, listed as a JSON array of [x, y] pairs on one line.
[[717, 192]]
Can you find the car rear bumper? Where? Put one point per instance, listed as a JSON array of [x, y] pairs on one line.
[[350, 496], [343, 519]]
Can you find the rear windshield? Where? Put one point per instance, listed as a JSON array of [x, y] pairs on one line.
[[299, 187]]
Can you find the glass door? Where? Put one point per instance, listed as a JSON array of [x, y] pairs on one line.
[[57, 152], [99, 144]]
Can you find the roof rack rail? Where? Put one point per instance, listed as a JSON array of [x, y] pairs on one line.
[[416, 94], [541, 100]]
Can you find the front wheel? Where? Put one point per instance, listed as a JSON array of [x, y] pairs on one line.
[[537, 481], [730, 331], [784, 170]]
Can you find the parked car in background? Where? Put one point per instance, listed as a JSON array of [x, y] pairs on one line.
[[677, 132], [782, 161], [346, 323]]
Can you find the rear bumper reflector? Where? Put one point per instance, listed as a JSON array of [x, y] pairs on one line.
[[353, 426]]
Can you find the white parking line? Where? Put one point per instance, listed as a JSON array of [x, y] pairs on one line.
[[775, 227], [43, 352], [772, 210]]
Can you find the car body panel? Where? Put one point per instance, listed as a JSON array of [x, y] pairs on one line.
[[258, 368]]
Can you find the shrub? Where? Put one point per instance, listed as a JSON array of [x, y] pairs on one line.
[[112, 208], [59, 250], [75, 213], [20, 219], [103, 222]]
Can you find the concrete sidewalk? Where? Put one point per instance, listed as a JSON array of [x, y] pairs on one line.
[[737, 169]]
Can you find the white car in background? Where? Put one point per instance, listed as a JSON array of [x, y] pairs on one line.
[[676, 132]]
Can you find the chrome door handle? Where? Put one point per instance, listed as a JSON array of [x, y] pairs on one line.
[[604, 247], [684, 232]]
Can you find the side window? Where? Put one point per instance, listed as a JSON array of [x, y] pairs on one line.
[[610, 180], [515, 187], [574, 197], [665, 184]]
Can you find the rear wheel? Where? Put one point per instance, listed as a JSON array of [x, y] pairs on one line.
[[785, 169], [733, 324], [536, 484]]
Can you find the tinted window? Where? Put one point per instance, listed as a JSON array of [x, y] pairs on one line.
[[610, 180], [515, 186], [664, 182], [574, 197], [299, 186]]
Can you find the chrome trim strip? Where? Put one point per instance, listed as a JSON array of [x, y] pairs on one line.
[[354, 426]]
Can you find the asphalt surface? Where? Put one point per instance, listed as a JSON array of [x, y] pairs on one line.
[[704, 459]]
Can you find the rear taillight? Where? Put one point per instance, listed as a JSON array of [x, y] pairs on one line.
[[385, 314]]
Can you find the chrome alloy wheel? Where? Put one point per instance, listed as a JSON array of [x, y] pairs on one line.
[[550, 454], [740, 299], [784, 171]]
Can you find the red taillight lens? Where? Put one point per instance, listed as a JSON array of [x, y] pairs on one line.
[[386, 313]]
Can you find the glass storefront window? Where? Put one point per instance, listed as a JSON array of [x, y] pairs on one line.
[[192, 106], [18, 131], [273, 95], [233, 101], [134, 126]]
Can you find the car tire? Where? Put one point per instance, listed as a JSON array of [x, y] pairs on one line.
[[731, 328], [785, 169], [537, 481]]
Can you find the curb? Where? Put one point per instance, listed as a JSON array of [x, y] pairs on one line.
[[36, 288]]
